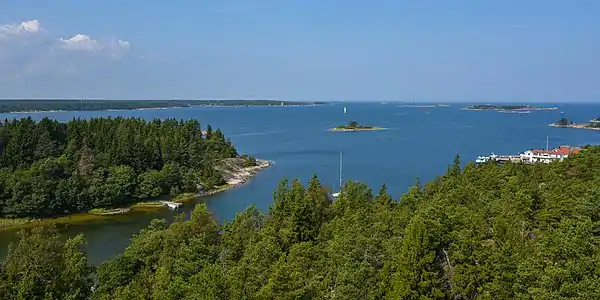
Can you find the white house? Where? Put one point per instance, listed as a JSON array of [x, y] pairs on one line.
[[547, 156]]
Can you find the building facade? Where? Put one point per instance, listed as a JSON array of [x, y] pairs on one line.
[[547, 156]]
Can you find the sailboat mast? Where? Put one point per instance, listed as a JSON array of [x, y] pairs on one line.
[[340, 170]]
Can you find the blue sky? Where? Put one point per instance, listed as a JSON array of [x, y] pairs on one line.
[[471, 51]]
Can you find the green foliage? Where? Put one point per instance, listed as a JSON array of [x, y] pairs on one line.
[[50, 168], [41, 266], [250, 161], [354, 125], [480, 232], [564, 122], [594, 124]]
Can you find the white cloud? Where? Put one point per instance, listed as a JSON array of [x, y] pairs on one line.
[[32, 26], [27, 49], [84, 43], [34, 60], [80, 42], [18, 35]]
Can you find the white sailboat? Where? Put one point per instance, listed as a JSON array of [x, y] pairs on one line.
[[344, 109], [335, 195]]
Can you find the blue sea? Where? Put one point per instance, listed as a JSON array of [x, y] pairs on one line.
[[418, 142]]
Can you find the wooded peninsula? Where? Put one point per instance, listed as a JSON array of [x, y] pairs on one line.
[[512, 231], [28, 105], [48, 168]]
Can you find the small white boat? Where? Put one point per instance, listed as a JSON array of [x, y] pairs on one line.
[[171, 205], [484, 159], [344, 109]]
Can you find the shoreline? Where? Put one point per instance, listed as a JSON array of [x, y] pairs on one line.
[[157, 108], [236, 179], [511, 110], [577, 126]]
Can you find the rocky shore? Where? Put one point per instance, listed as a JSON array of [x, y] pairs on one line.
[[580, 126], [236, 174]]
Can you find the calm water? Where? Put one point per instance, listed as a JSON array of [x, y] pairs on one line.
[[418, 142]]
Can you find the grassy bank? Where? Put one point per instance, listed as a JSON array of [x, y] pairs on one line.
[[23, 223]]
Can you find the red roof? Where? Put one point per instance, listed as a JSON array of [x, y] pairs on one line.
[[558, 151]]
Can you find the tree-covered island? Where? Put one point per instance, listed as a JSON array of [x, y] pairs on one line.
[[354, 126], [49, 169], [566, 123], [28, 105], [507, 107]]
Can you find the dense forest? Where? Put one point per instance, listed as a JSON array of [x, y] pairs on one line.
[[25, 105], [49, 168], [514, 231]]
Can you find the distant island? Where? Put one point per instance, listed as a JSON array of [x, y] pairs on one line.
[[566, 123], [29, 105], [425, 105], [507, 107], [354, 126]]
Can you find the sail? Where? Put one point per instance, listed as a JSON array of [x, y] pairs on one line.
[[344, 109]]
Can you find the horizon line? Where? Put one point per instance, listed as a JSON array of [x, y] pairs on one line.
[[305, 101]]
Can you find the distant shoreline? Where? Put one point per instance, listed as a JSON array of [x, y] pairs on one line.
[[516, 109], [50, 106], [158, 108], [425, 106]]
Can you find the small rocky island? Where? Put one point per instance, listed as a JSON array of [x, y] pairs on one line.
[[507, 107], [566, 123], [354, 126]]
